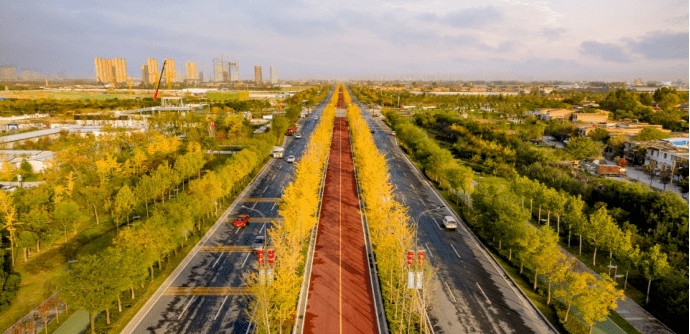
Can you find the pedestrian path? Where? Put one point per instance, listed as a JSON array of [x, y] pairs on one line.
[[340, 298], [77, 323]]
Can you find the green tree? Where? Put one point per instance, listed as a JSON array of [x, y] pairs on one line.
[[546, 257], [25, 169], [600, 230], [599, 134], [67, 214], [88, 285], [649, 133], [123, 204], [650, 169], [653, 265], [146, 190], [583, 147]]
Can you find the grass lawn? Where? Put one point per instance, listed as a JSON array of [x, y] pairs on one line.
[[41, 271], [622, 323]]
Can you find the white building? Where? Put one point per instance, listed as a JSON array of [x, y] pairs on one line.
[[274, 75], [664, 153]]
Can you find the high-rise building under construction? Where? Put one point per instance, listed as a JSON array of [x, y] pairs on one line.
[[144, 73], [169, 74], [258, 77], [152, 66], [190, 71], [225, 71], [111, 70]]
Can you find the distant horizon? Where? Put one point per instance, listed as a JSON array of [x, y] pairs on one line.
[[465, 40]]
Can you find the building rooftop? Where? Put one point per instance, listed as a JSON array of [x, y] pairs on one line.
[[29, 135]]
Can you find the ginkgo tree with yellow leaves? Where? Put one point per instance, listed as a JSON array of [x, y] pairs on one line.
[[275, 306], [390, 230]]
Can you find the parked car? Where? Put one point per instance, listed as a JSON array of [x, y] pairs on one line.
[[291, 158], [241, 221], [449, 223], [259, 242]]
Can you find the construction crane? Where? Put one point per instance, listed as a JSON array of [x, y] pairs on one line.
[[101, 82]]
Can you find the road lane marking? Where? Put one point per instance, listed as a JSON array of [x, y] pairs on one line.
[[215, 263], [262, 228], [480, 289], [428, 249], [185, 308], [250, 322], [245, 260], [456, 251], [238, 230], [439, 226], [221, 307], [451, 292]]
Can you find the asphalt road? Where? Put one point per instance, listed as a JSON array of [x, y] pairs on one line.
[[223, 314], [470, 293]]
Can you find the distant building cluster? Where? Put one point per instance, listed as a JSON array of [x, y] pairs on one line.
[[225, 71], [8, 73]]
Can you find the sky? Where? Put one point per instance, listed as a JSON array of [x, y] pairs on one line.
[[607, 40]]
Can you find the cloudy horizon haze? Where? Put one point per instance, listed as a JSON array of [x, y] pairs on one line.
[[457, 40]]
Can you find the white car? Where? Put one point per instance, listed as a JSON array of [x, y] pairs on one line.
[[449, 223], [291, 158], [298, 136]]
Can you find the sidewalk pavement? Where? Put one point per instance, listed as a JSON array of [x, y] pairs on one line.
[[636, 173]]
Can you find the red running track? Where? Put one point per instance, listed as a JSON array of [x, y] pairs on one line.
[[340, 299]]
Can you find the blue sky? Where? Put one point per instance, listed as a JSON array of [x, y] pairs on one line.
[[502, 39]]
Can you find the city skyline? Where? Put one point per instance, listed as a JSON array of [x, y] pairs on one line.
[[500, 40]]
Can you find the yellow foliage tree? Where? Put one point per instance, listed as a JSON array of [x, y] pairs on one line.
[[298, 207], [388, 222]]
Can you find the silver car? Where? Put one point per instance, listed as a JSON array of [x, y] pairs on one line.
[[291, 158], [259, 242]]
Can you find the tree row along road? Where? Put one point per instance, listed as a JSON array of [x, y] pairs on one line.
[[472, 293], [200, 295], [340, 296]]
